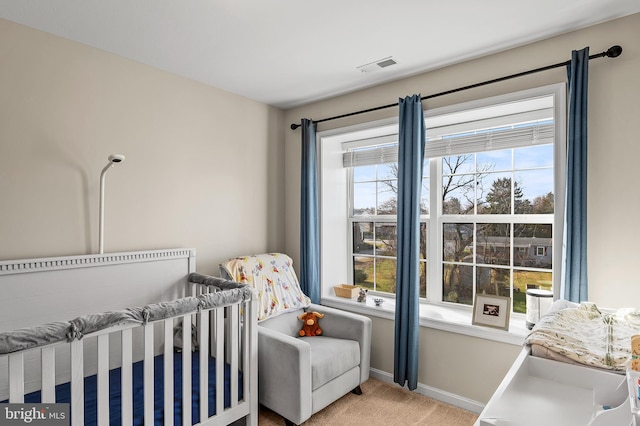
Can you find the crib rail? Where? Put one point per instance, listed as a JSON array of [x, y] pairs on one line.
[[226, 333]]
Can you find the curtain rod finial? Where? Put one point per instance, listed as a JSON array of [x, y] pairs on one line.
[[295, 126], [614, 51]]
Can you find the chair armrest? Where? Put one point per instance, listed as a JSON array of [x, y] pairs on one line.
[[347, 325], [284, 371]]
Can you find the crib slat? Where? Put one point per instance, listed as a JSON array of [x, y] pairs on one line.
[[250, 391], [48, 366], [233, 338], [219, 360], [127, 373], [252, 352], [246, 366], [103, 379], [186, 370], [77, 383], [16, 378], [212, 337], [148, 374], [204, 364], [168, 372]]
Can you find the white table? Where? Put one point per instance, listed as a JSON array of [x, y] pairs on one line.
[[537, 391]]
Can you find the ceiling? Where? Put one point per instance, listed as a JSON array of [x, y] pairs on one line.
[[290, 52]]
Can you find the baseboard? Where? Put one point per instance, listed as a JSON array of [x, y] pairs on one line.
[[435, 393]]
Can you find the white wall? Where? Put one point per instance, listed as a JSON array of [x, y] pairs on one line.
[[200, 168], [468, 366]]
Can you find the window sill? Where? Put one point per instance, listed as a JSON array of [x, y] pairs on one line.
[[437, 317]]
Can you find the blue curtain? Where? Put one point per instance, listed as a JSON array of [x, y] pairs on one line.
[[309, 221], [575, 231], [410, 163]]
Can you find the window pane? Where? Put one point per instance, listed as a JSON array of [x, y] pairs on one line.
[[364, 199], [424, 197], [519, 299], [386, 239], [388, 171], [494, 193], [522, 280], [543, 204], [458, 242], [493, 244], [387, 203], [533, 245], [423, 279], [386, 275], [425, 194], [537, 189], [423, 259], [457, 284], [457, 194], [364, 173], [363, 238], [534, 156], [363, 271], [458, 164], [423, 241], [495, 160], [496, 281]]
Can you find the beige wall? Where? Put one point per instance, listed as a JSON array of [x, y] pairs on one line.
[[200, 162], [466, 366], [469, 366]]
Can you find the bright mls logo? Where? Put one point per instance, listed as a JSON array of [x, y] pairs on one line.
[[35, 414]]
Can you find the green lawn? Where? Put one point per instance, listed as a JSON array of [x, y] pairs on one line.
[[520, 281], [386, 280], [386, 269]]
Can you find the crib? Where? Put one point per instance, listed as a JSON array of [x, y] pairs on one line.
[[150, 340]]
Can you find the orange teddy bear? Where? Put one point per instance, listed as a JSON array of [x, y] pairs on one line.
[[310, 325]]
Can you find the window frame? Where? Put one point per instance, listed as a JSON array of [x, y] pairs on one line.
[[335, 271]]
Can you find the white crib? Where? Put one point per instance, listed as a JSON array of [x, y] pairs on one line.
[[135, 356]]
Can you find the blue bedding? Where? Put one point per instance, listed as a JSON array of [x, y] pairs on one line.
[[90, 392]]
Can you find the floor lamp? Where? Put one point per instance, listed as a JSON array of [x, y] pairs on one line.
[[113, 160]]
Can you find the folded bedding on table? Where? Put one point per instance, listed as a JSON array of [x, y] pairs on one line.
[[584, 334]]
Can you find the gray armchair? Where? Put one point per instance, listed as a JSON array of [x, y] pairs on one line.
[[299, 376]]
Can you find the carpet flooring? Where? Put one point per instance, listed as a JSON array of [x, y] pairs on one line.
[[381, 404]]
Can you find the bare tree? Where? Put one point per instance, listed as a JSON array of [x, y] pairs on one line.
[[455, 182]]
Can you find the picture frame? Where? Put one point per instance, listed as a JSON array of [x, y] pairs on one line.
[[491, 311]]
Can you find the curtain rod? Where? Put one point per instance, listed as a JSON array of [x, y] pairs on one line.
[[612, 52]]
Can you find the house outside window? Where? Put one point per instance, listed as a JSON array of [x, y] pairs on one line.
[[490, 210]]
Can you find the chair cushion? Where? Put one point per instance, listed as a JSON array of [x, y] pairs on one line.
[[274, 278], [330, 358]]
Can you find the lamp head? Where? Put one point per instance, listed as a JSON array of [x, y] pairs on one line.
[[116, 158]]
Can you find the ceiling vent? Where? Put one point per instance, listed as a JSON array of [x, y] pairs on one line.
[[377, 65]]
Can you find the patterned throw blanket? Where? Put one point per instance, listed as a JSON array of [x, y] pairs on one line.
[[588, 336]]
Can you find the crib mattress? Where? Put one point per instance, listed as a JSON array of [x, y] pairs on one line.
[[63, 392]]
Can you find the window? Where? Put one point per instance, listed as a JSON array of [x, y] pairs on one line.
[[373, 223], [490, 208], [493, 201]]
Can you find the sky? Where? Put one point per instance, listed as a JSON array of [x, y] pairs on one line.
[[531, 167]]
